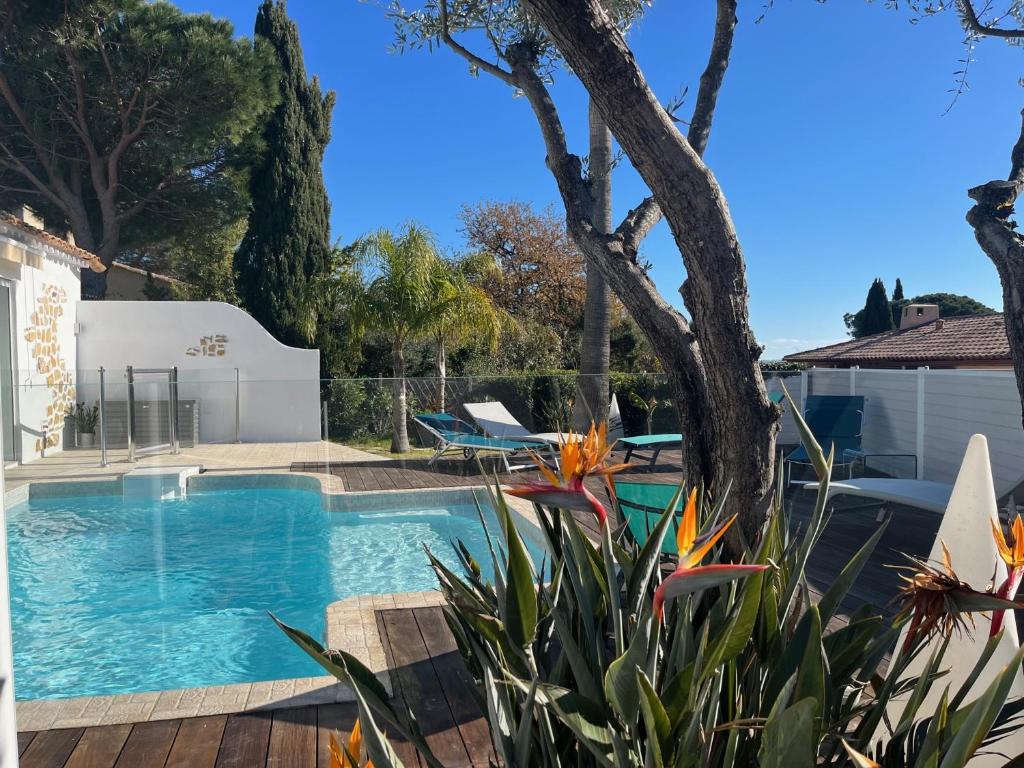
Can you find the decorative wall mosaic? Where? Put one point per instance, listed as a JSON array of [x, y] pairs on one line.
[[42, 335], [210, 346]]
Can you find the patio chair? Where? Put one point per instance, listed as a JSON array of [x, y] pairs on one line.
[[643, 504], [496, 421], [921, 494], [451, 432], [834, 420], [654, 443]]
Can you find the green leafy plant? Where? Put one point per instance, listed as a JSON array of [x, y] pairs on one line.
[[602, 657], [649, 405], [85, 417]]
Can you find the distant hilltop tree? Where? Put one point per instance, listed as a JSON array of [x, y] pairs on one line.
[[869, 320]]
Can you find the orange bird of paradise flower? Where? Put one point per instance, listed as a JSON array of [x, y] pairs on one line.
[[1012, 554], [690, 575], [580, 456], [348, 757]]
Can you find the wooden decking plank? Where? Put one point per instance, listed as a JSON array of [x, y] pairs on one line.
[[406, 752], [456, 683], [336, 719], [99, 747], [422, 689], [245, 741], [51, 749], [148, 744], [24, 739], [197, 742], [293, 738]]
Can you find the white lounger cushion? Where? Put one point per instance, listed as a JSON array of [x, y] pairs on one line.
[[495, 420], [923, 494]]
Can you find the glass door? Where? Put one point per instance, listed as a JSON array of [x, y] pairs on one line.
[[7, 373]]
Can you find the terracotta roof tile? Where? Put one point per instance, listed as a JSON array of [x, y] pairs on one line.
[[973, 338], [54, 241]]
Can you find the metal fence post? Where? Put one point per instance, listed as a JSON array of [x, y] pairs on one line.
[[131, 413], [853, 379], [172, 407], [238, 417], [921, 373], [103, 418], [323, 411]]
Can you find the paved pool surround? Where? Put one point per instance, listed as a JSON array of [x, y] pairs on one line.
[[350, 624]]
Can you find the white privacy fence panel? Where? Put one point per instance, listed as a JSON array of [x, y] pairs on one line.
[[958, 404], [932, 415]]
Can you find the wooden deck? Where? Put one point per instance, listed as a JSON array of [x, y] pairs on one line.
[[428, 674]]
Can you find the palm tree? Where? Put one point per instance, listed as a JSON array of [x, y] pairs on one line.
[[464, 311], [399, 300]]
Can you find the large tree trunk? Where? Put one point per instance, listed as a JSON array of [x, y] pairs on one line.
[[400, 432], [997, 235], [727, 398], [594, 385]]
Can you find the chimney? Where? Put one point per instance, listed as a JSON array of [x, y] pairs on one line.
[[918, 314], [27, 215]]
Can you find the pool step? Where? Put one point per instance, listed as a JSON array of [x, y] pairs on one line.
[[157, 482]]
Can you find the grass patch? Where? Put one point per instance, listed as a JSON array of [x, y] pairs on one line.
[[382, 447]]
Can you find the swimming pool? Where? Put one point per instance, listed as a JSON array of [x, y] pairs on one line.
[[116, 596]]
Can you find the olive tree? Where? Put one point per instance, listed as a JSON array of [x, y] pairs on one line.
[[711, 358]]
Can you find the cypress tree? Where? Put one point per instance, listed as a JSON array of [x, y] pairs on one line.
[[287, 244], [897, 303], [877, 311]]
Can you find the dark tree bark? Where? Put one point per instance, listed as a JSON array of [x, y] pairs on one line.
[[597, 316], [997, 235], [737, 423]]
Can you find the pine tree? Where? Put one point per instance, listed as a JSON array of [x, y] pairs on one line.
[[287, 244], [877, 312]]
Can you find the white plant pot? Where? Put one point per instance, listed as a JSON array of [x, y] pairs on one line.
[[86, 439]]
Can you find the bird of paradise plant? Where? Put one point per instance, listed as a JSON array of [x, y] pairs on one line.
[[1012, 553], [580, 457], [689, 575], [581, 663], [349, 756]]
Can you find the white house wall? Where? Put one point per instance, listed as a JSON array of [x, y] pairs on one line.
[[278, 395], [44, 350]]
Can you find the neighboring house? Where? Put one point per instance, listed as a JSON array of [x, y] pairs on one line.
[[923, 339], [125, 283], [52, 345]]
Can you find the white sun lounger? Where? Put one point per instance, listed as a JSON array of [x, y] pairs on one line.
[[496, 421], [921, 494]]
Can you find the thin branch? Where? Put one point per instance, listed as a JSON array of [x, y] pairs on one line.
[[637, 223], [1017, 157], [974, 23], [472, 58], [711, 79]]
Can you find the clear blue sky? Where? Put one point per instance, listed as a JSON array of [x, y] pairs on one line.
[[830, 143]]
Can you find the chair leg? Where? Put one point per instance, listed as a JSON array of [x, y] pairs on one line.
[[441, 448]]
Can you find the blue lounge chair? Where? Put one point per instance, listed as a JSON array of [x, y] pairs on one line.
[[834, 420], [654, 443], [451, 432], [642, 505]]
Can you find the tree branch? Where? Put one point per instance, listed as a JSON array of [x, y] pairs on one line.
[[711, 79], [468, 55], [974, 24], [1017, 157], [637, 223]]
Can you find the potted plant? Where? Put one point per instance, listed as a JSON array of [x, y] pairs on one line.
[[85, 418]]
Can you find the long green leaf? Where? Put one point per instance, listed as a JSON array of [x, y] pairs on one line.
[[788, 740], [620, 680], [844, 581], [520, 608]]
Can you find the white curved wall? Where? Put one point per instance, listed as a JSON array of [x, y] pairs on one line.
[[279, 394]]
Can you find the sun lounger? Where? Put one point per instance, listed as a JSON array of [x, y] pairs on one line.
[[496, 421], [451, 432], [654, 443], [921, 494], [642, 505], [835, 421]]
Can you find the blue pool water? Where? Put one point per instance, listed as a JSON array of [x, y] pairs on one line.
[[112, 596]]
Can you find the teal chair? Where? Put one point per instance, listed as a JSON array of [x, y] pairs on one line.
[[643, 504]]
